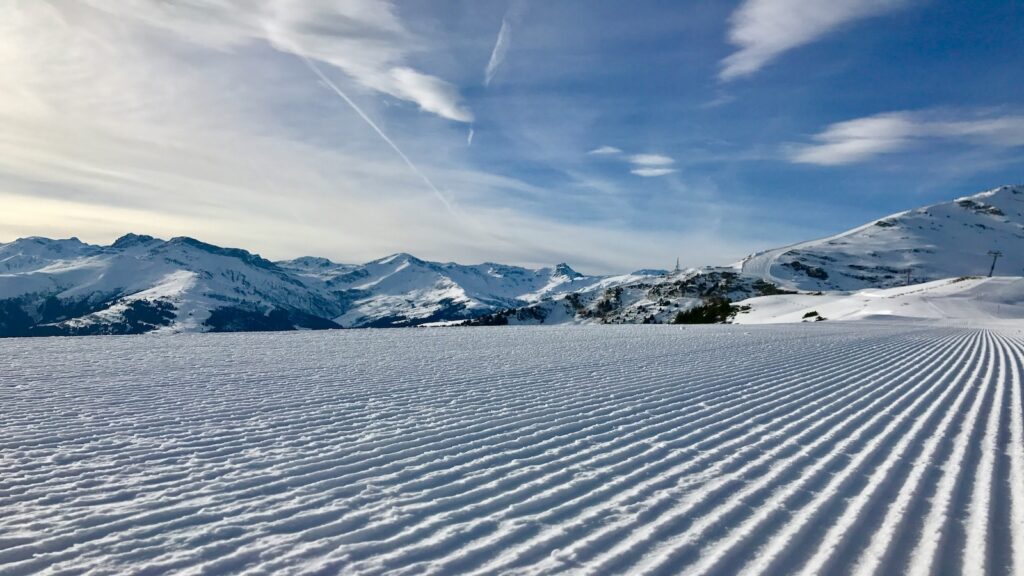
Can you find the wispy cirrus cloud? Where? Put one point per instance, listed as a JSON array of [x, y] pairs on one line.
[[762, 30], [504, 41], [204, 131], [864, 138], [199, 116], [365, 39]]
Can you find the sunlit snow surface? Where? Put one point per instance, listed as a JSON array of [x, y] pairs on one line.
[[827, 448]]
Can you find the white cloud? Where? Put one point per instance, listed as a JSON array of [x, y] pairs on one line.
[[764, 29], [363, 38], [864, 138], [605, 151], [650, 160], [652, 172], [644, 165], [227, 141], [431, 93]]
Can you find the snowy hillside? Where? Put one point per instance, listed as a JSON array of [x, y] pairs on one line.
[[140, 284], [143, 284], [633, 299], [945, 240], [832, 448], [966, 300]]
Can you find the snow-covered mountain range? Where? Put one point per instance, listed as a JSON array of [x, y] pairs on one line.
[[144, 284]]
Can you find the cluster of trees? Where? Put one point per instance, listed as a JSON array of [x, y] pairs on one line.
[[713, 311]]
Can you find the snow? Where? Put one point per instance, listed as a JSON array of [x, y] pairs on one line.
[[872, 447], [399, 289], [975, 300], [194, 276], [940, 241], [402, 285], [231, 288]]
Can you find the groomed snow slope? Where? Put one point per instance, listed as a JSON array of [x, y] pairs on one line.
[[967, 300], [817, 448]]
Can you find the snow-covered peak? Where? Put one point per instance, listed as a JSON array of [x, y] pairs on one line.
[[188, 284], [309, 263], [949, 239], [315, 267], [33, 253], [396, 259], [999, 194], [191, 244], [40, 245], [566, 271], [132, 240]]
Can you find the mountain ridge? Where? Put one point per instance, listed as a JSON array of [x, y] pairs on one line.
[[941, 240], [140, 283], [68, 287]]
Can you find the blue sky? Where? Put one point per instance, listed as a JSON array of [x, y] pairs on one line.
[[612, 135]]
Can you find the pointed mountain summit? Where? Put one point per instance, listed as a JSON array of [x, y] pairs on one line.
[[565, 270]]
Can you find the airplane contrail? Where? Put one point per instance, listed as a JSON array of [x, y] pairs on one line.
[[327, 81], [451, 209]]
